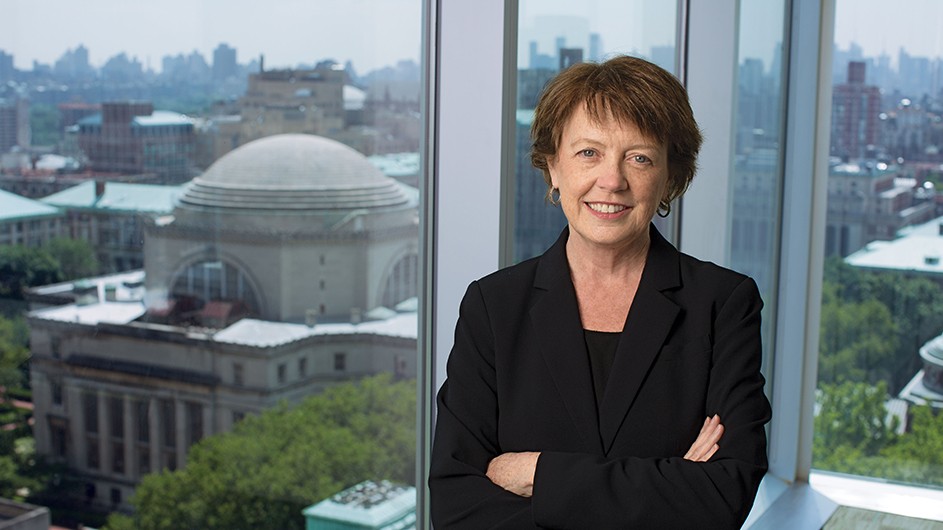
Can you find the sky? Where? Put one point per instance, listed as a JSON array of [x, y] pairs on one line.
[[377, 33], [885, 26], [371, 33]]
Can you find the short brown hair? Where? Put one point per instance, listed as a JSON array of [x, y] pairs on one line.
[[633, 91]]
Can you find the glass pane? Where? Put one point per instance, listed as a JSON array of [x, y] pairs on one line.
[[880, 386], [757, 165], [209, 213], [551, 36]]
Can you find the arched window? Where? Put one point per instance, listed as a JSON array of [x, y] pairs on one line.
[[401, 283], [215, 280]]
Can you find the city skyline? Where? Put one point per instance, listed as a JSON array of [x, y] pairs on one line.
[[287, 33]]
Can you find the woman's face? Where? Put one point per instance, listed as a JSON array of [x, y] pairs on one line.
[[611, 179]]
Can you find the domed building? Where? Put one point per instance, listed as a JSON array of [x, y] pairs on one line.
[[926, 388], [289, 266], [291, 227]]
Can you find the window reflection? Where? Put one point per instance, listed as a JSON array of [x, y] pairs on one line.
[[552, 36], [758, 158]]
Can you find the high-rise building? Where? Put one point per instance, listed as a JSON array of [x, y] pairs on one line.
[[131, 137], [224, 62], [14, 123], [6, 66], [283, 101], [856, 107], [569, 57]]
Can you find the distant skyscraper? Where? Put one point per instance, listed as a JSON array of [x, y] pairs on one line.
[[224, 62], [14, 123], [595, 47], [855, 110], [569, 57], [6, 66]]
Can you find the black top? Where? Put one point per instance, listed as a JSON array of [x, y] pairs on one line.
[[601, 346]]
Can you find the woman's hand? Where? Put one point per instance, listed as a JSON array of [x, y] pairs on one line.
[[706, 444], [514, 472]]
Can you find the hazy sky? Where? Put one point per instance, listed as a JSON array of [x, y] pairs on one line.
[[375, 33], [371, 33], [885, 26]]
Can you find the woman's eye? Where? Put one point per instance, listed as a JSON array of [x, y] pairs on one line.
[[588, 153], [641, 159]]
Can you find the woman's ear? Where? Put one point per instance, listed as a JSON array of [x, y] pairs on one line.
[[552, 171]]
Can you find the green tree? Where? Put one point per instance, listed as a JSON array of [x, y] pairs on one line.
[[14, 352], [913, 304], [76, 258], [852, 424], [23, 267], [857, 341], [272, 466], [918, 455]]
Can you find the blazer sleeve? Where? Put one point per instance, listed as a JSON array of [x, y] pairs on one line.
[[466, 437], [589, 491]]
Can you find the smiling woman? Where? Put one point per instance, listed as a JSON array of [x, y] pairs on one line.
[[612, 382]]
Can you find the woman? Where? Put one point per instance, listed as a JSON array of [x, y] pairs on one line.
[[579, 382]]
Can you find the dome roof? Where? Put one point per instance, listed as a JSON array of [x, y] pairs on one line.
[[293, 172], [932, 351]]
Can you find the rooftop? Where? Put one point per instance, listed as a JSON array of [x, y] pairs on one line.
[[118, 197], [156, 119], [380, 505], [917, 249], [15, 207], [120, 299]]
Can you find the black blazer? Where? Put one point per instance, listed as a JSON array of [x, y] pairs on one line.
[[519, 380]]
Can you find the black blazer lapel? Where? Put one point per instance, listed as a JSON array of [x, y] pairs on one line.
[[555, 317], [646, 328]]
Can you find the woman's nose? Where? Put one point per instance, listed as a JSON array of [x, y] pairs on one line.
[[612, 178]]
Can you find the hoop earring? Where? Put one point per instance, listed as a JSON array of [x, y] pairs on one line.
[[554, 201], [663, 209]]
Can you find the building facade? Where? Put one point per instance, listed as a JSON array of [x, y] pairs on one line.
[[856, 107], [289, 266], [131, 138], [111, 217], [27, 222]]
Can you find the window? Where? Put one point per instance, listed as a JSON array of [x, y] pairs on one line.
[[143, 423], [92, 457], [340, 362], [117, 457], [237, 377], [90, 410], [115, 496], [258, 173], [116, 416], [282, 371], [878, 398], [168, 423], [550, 38], [194, 423], [56, 388]]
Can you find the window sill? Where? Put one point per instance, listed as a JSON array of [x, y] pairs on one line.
[[876, 495], [809, 505]]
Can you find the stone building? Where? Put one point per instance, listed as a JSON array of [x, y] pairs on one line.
[[289, 266]]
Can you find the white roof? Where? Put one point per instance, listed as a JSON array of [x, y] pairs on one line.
[[263, 333], [919, 248], [103, 312]]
